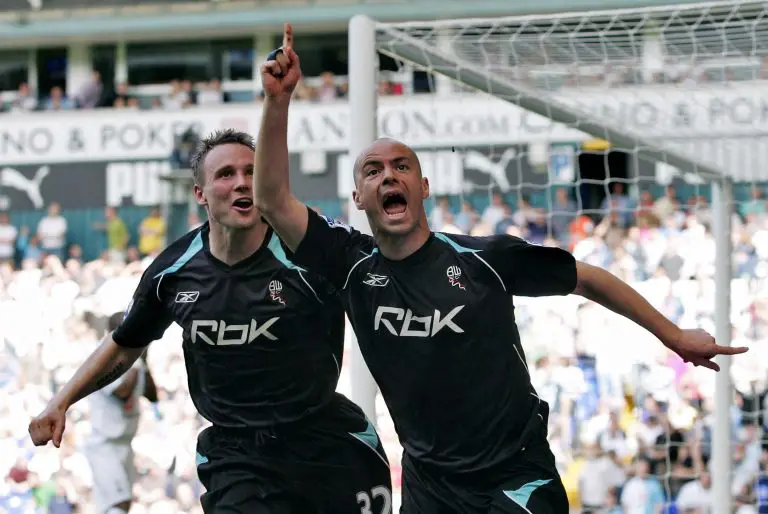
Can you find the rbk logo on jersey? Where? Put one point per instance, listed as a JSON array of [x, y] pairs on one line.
[[375, 280], [415, 326], [454, 273], [275, 291], [218, 333], [187, 296]]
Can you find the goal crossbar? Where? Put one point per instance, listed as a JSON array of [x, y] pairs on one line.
[[645, 12], [400, 45]]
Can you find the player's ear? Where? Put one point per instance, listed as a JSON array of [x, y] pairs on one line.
[[424, 188], [356, 199], [199, 195]]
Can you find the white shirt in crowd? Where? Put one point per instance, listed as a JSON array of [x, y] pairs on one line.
[[694, 496], [636, 496], [598, 476], [115, 419], [8, 235], [210, 97], [52, 231]]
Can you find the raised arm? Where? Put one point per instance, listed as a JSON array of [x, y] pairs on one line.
[[271, 185]]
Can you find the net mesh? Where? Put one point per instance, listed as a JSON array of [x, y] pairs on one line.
[[676, 84]]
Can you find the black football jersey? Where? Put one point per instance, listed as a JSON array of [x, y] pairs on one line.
[[263, 339], [437, 330]]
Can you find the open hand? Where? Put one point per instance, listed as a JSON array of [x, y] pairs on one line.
[[280, 76], [698, 347]]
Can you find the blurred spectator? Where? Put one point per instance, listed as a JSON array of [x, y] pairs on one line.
[[437, 217], [599, 476], [152, 233], [117, 235], [328, 90], [496, 211], [183, 148], [696, 496], [642, 494], [57, 101], [91, 93], [210, 93], [8, 234], [52, 231], [25, 100]]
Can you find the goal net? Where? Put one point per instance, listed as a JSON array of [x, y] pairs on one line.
[[618, 135]]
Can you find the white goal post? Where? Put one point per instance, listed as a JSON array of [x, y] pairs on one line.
[[533, 40]]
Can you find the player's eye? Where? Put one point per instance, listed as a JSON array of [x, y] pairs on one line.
[[402, 167], [371, 171]]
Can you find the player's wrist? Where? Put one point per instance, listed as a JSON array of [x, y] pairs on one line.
[[282, 99], [672, 337], [60, 403]]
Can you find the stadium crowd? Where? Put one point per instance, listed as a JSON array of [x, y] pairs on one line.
[[630, 424], [179, 94]]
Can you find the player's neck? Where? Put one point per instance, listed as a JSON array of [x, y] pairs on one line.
[[397, 247], [231, 246]]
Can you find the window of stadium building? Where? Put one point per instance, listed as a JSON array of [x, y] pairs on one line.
[[156, 63], [321, 52], [14, 70]]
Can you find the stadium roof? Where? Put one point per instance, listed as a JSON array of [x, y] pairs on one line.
[[59, 21]]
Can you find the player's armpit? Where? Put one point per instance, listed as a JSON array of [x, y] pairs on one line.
[[331, 248], [146, 319]]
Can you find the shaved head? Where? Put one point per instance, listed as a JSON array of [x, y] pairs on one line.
[[381, 144]]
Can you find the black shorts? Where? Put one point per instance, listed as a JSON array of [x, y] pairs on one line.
[[329, 463], [528, 484]]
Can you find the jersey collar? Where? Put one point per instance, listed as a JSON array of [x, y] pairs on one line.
[[243, 264]]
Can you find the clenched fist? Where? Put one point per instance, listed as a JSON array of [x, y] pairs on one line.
[[48, 426], [280, 75]]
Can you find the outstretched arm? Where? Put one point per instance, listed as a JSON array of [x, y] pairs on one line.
[[532, 270], [602, 287], [271, 186]]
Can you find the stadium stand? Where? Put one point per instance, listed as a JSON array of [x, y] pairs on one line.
[[623, 410], [24, 5]]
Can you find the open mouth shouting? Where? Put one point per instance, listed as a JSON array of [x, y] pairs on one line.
[[394, 204], [243, 205]]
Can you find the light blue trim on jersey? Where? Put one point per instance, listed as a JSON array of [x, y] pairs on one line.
[[194, 247], [200, 459], [369, 436], [277, 250], [522, 495], [456, 246]]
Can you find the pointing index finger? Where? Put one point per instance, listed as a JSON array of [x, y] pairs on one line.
[[287, 36], [731, 350]]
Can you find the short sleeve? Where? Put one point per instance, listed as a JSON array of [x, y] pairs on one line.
[[531, 270], [331, 249], [146, 318]]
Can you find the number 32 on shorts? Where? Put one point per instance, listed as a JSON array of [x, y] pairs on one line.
[[365, 499]]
